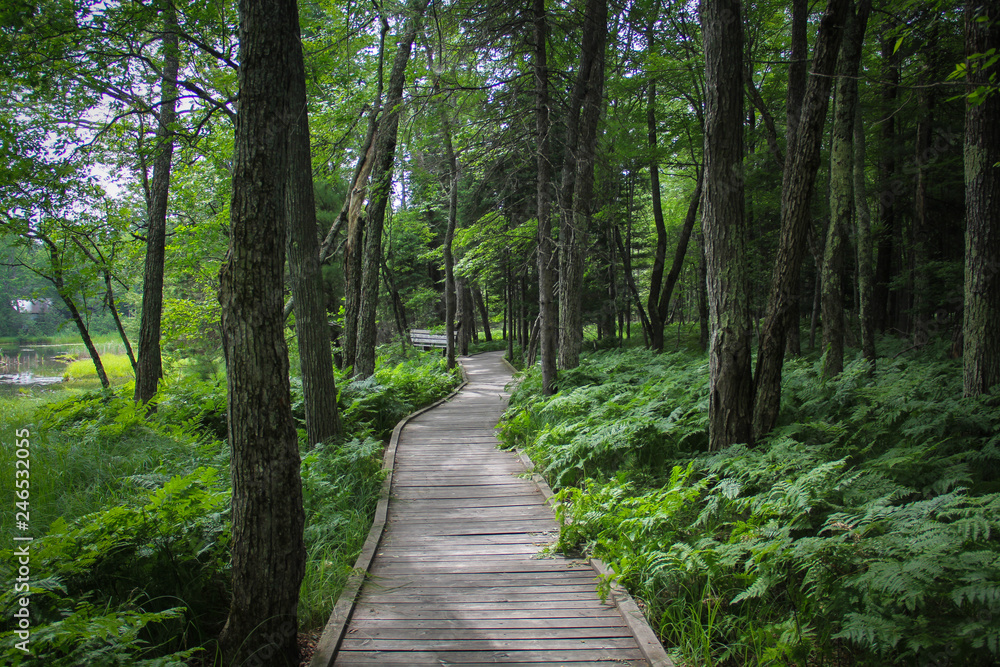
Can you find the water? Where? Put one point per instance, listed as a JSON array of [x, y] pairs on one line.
[[38, 365]]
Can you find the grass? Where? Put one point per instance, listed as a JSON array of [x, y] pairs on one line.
[[117, 366]]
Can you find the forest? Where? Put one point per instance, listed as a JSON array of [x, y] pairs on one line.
[[746, 257]]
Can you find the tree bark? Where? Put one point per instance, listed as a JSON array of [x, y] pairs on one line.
[[547, 305], [379, 193], [866, 251], [724, 225], [667, 289], [311, 324], [981, 322], [797, 70], [268, 553], [450, 284], [703, 312], [574, 227], [149, 366], [796, 191], [889, 187], [841, 189]]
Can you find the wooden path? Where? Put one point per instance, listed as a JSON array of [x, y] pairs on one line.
[[459, 575]]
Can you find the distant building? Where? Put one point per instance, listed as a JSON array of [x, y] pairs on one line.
[[33, 306]]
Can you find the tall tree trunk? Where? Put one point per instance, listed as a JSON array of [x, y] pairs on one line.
[[547, 305], [656, 317], [311, 325], [667, 289], [889, 187], [379, 193], [149, 366], [574, 227], [703, 311], [841, 189], [866, 251], [353, 259], [450, 284], [728, 282], [919, 230], [981, 325], [268, 552], [796, 191], [797, 70]]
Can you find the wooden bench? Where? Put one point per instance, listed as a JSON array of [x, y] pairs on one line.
[[426, 340]]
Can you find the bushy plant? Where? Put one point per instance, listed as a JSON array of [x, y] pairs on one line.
[[161, 563], [863, 530]]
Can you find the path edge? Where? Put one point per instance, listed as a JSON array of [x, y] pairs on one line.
[[645, 637], [336, 625]]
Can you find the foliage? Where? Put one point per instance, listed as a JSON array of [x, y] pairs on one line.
[[171, 546], [341, 485], [864, 529], [130, 509]]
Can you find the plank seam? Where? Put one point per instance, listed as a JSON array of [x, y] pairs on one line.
[[336, 625]]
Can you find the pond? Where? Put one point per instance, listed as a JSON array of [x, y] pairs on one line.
[[40, 365]]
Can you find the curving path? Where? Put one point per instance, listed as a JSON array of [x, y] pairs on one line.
[[460, 575]]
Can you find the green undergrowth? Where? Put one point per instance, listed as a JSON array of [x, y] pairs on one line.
[[863, 531], [130, 512]]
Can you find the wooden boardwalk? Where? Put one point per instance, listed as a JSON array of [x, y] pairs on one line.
[[460, 575]]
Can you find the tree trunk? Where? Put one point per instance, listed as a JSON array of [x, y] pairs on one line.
[[919, 229], [149, 366], [379, 193], [353, 256], [574, 227], [889, 187], [656, 317], [484, 313], [450, 285], [981, 325], [547, 304], [57, 279], [797, 70], [866, 252], [796, 191], [724, 225], [667, 290], [841, 189], [703, 316], [311, 324], [268, 553]]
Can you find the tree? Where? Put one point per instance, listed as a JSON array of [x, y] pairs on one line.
[[981, 326], [547, 304], [798, 177], [311, 327], [723, 222], [149, 365], [578, 179], [842, 199], [379, 193], [268, 553]]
